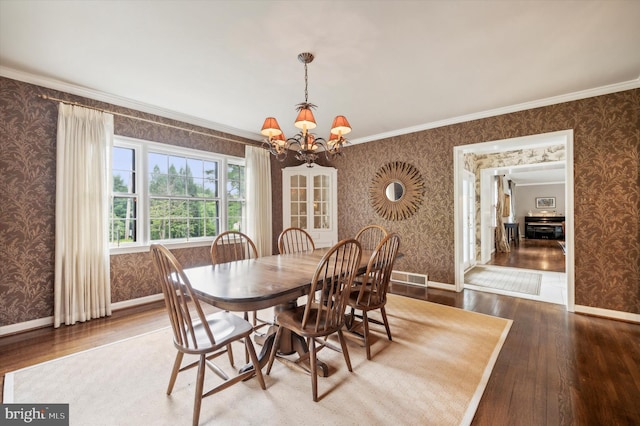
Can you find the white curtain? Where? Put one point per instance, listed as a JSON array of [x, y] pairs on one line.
[[258, 170], [502, 244], [82, 289]]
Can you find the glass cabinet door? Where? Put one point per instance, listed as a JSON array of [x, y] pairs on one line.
[[321, 190], [298, 202], [310, 202]]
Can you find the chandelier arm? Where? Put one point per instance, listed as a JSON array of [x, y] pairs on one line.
[[295, 141], [278, 151]]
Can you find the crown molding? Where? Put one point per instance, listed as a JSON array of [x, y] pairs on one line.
[[589, 93], [121, 101], [185, 118]]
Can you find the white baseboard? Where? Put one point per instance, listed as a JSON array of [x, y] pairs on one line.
[[136, 302], [607, 313], [24, 326], [442, 286], [47, 321]]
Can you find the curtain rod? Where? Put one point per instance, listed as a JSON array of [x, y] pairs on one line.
[[49, 98]]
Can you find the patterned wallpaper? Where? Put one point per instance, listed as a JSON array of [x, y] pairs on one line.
[[607, 206], [28, 126], [607, 193]]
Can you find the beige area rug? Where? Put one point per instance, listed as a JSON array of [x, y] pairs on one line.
[[433, 373], [507, 279]]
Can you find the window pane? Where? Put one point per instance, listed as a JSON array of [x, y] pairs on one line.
[[196, 208], [196, 187], [123, 168], [123, 159], [211, 209], [196, 228], [212, 218], [232, 189], [211, 179], [159, 228], [123, 220], [177, 184], [158, 179], [211, 188], [158, 162], [178, 228], [235, 181], [123, 209], [195, 167], [158, 184], [235, 213], [212, 227], [211, 173], [178, 209], [177, 165], [123, 181], [158, 207]]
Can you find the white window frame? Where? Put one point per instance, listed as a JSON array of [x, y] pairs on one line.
[[142, 149]]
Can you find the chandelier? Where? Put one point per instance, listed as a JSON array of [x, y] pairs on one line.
[[307, 145]]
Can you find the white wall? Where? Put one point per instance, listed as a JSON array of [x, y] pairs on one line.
[[526, 200]]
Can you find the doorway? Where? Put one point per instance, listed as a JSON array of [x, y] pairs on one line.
[[564, 138]]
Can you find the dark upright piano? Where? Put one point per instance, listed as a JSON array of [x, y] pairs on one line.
[[547, 227]]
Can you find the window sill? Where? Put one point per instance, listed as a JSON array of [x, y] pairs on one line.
[[168, 244]]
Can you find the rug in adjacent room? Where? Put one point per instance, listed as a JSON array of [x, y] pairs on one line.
[[507, 279]]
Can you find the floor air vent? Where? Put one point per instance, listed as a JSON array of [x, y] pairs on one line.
[[410, 278]]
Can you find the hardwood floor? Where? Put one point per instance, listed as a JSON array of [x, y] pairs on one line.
[[556, 368], [543, 255]]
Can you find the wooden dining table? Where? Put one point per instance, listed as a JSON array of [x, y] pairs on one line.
[[254, 284]]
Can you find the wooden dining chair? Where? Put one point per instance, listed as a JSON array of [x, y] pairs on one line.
[[324, 315], [372, 294], [294, 240], [230, 246], [370, 236], [196, 334]]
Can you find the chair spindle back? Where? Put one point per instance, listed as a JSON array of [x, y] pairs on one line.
[[295, 240], [331, 284]]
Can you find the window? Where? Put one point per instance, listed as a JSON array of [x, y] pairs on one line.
[[236, 218], [183, 197], [163, 193], [123, 211]]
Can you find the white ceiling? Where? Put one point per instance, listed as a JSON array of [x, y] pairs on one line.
[[391, 67]]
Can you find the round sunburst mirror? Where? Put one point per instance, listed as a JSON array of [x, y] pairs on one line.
[[396, 191]]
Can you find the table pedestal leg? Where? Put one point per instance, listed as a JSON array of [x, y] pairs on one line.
[[290, 343]]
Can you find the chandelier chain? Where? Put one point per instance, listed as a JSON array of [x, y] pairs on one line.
[[306, 82]]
